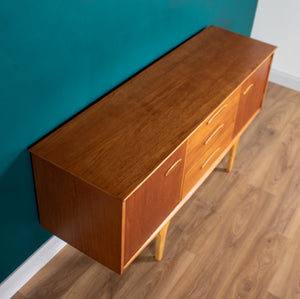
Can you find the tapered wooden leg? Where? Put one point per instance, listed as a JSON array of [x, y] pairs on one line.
[[160, 242], [232, 156]]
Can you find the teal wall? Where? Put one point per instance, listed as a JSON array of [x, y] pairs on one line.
[[56, 57]]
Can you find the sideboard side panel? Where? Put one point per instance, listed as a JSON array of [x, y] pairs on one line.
[[82, 215]]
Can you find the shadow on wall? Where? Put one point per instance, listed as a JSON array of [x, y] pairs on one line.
[[18, 199]]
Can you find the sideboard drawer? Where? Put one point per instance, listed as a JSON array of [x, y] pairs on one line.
[[205, 138], [152, 202], [202, 165]]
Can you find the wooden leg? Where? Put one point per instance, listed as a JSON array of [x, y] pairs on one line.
[[160, 242], [232, 156]]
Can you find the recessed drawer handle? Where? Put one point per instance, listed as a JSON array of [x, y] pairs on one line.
[[210, 157], [216, 114], [173, 167], [214, 133], [248, 88]]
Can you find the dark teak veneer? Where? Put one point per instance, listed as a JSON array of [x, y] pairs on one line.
[[109, 180]]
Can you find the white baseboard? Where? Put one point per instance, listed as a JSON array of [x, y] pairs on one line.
[[30, 267], [285, 79]]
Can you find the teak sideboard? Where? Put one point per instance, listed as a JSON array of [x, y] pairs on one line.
[[109, 180]]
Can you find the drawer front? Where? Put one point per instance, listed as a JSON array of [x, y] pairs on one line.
[[252, 94], [203, 164], [152, 202], [204, 140]]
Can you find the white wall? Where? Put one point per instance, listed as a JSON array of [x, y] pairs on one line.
[[278, 22]]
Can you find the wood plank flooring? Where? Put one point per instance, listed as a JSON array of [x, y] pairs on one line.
[[237, 237]]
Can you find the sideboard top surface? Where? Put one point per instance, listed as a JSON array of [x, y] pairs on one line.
[[119, 141]]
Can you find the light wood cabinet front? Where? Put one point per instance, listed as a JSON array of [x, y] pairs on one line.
[[205, 138], [152, 202], [252, 93], [209, 142], [204, 161]]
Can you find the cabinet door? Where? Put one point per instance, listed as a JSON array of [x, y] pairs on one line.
[[252, 94], [152, 202]]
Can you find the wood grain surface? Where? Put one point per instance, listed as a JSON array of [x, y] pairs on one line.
[[208, 134], [252, 95], [202, 164], [80, 214], [108, 146], [238, 236], [90, 174], [150, 205]]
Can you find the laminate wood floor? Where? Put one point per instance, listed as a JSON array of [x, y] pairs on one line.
[[237, 237]]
